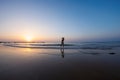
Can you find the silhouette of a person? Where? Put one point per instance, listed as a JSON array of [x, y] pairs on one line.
[[62, 42]]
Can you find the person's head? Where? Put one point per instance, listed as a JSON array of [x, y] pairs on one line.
[[62, 37]]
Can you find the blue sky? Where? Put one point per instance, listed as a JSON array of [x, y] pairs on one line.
[[76, 20]]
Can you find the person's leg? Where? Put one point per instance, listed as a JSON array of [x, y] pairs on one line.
[[62, 44]]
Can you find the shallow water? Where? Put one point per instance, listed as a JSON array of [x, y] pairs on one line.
[[61, 64]]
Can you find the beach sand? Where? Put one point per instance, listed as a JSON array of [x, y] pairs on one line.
[[56, 64]]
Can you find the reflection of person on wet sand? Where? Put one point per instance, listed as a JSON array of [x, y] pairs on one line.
[[62, 52], [62, 42]]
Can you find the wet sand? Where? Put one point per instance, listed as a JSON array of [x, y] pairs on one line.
[[56, 64]]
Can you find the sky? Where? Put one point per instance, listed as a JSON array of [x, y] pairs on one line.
[[49, 20]]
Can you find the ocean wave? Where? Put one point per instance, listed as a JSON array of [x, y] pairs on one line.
[[66, 46]]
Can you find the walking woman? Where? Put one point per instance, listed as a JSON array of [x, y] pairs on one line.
[[62, 42]]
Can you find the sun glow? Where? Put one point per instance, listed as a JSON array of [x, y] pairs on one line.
[[28, 38]]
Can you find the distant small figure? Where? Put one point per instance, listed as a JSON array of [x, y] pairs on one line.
[[62, 42]]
